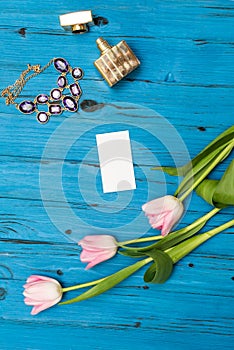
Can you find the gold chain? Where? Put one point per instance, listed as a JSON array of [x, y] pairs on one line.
[[13, 91]]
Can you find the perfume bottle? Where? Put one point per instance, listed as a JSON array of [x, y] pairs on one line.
[[115, 62]]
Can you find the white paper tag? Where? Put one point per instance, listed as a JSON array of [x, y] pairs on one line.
[[115, 157]]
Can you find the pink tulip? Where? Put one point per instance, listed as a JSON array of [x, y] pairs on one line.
[[41, 292], [163, 213], [97, 249]]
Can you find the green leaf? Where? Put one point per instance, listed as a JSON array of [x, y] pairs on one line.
[[170, 170], [225, 189], [166, 242], [221, 141], [161, 269], [206, 156], [179, 251], [176, 237], [173, 238], [187, 185], [207, 163], [219, 193], [228, 134], [186, 247], [109, 282], [132, 253], [206, 190]]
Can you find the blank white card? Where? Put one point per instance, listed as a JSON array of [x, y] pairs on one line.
[[115, 157]]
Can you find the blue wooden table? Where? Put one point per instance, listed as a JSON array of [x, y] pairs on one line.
[[179, 99]]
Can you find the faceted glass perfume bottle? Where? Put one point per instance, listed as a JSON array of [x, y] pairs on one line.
[[115, 62]]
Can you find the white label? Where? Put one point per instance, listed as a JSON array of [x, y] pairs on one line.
[[115, 157]]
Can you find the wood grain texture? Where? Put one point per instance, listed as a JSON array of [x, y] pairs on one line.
[[185, 78]]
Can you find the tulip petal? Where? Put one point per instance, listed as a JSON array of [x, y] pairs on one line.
[[159, 205], [98, 242], [163, 213], [31, 302], [100, 258], [156, 221], [171, 220], [33, 278], [42, 291], [31, 284], [49, 279], [169, 223], [38, 308], [43, 306], [97, 249], [87, 255]]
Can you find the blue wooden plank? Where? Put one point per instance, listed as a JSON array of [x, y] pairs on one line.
[[186, 76], [153, 318]]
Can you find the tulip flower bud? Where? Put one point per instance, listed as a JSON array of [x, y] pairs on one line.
[[97, 249], [163, 213], [41, 292]]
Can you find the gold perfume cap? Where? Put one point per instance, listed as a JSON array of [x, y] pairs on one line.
[[115, 62], [77, 22]]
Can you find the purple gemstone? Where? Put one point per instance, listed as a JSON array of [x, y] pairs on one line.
[[27, 107], [55, 109], [42, 98], [75, 89], [62, 81], [56, 94], [43, 117], [70, 103], [77, 73], [61, 65]]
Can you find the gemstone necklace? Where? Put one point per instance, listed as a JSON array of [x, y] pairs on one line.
[[64, 97]]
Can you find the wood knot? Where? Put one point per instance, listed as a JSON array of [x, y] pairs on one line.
[[22, 31], [137, 325], [145, 287], [90, 105], [100, 21], [68, 232], [3, 293], [201, 128]]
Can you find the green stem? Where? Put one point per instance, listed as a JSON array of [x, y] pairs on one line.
[[140, 240], [207, 171], [109, 282], [84, 285], [197, 222], [179, 233], [184, 248], [92, 283]]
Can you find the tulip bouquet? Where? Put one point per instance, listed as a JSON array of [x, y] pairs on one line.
[[163, 213]]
